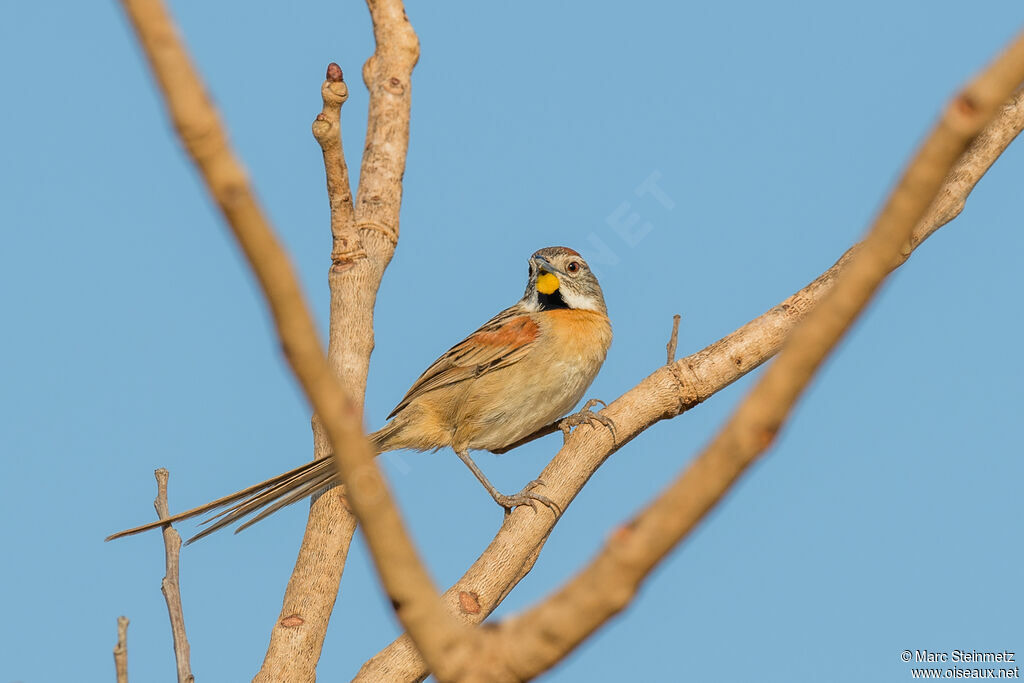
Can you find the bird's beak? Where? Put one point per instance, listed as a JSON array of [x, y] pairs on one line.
[[545, 266], [547, 275]]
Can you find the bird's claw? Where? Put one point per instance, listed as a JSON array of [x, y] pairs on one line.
[[586, 416], [528, 497]]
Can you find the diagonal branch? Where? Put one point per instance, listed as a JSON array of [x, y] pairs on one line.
[[542, 636], [405, 579], [667, 393]]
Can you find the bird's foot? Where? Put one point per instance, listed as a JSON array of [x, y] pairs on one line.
[[586, 416], [526, 497]]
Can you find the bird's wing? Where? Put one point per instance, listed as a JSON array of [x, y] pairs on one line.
[[503, 340]]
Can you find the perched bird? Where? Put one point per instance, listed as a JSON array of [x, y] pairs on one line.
[[521, 371]]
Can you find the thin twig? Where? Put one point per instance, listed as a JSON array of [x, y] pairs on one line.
[[170, 586], [673, 340], [669, 392], [437, 634], [327, 131], [121, 650]]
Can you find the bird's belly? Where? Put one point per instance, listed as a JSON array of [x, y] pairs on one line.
[[530, 395]]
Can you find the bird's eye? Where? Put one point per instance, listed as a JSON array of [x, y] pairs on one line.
[[573, 267]]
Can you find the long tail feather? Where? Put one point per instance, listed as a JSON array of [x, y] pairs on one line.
[[251, 498], [313, 477], [268, 496]]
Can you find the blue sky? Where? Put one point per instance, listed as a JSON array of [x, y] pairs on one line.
[[885, 518]]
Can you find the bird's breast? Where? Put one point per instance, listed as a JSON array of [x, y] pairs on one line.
[[504, 406], [569, 353], [576, 334]]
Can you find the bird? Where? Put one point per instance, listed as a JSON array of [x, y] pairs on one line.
[[518, 373]]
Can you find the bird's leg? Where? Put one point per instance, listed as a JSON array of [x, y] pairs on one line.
[[586, 416], [524, 497]]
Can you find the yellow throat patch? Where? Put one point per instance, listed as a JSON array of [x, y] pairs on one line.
[[547, 283]]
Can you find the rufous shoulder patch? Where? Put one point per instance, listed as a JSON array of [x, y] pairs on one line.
[[514, 332]]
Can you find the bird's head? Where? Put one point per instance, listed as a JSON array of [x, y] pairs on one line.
[[560, 278]]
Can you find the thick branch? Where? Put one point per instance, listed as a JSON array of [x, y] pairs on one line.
[[666, 393], [403, 575], [297, 638], [364, 240], [387, 75], [170, 585]]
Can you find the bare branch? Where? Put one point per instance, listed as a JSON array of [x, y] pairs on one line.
[[327, 131], [668, 392], [364, 240], [404, 577], [673, 340], [121, 650], [170, 585], [388, 77], [298, 634], [296, 639]]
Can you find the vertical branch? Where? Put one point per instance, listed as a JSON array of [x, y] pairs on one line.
[[327, 131], [297, 637], [673, 340], [364, 237], [170, 586], [121, 650], [388, 77]]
